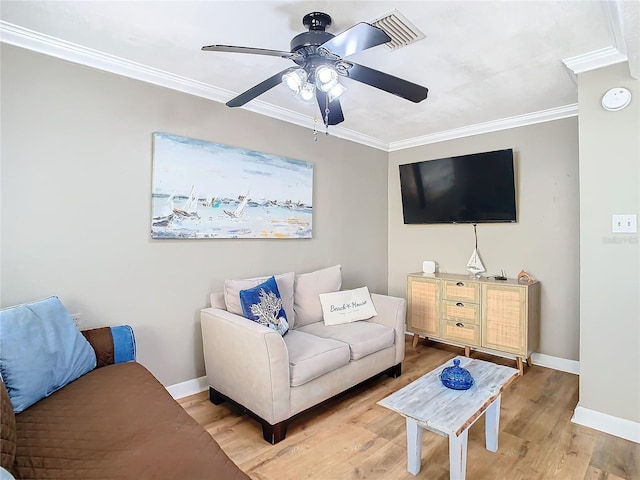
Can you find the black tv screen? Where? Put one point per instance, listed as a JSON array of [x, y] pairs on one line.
[[476, 188]]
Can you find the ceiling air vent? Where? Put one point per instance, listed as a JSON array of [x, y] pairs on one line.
[[401, 30]]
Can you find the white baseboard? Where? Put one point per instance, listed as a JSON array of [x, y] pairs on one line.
[[540, 359], [619, 427], [190, 387], [557, 363]]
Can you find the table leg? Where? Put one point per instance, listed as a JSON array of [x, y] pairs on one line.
[[492, 424], [416, 339], [414, 446], [458, 455]]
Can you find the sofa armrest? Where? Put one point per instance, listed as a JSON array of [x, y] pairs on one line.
[[392, 312], [112, 344], [246, 362]]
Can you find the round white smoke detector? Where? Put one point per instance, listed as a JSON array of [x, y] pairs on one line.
[[616, 99]]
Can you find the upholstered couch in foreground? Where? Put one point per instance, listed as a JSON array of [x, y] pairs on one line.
[[275, 377], [114, 422]]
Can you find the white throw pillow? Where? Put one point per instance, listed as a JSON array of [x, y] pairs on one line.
[[284, 281], [308, 287], [347, 306], [217, 300]]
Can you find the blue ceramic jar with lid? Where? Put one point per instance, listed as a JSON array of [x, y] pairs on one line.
[[456, 377]]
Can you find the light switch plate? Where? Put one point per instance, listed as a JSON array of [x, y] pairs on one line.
[[624, 224]]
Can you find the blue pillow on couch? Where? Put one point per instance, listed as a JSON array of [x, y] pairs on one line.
[[41, 350], [263, 305]]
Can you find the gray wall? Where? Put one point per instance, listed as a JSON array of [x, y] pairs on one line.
[[544, 241], [610, 263], [76, 205]]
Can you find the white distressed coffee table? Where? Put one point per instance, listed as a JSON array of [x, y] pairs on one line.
[[426, 403]]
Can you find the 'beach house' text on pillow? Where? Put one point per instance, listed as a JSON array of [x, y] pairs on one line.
[[347, 306]]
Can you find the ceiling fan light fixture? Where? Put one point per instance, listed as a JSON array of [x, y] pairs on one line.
[[307, 92], [295, 79], [336, 91], [326, 78], [319, 58]]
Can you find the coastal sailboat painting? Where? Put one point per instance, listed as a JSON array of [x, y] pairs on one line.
[[202, 189]]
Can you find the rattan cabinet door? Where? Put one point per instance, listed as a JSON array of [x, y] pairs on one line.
[[504, 318], [423, 316]]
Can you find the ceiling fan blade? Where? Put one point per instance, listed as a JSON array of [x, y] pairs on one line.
[[257, 51], [388, 83], [357, 38], [335, 109], [259, 89]]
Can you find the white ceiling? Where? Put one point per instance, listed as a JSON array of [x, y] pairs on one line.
[[487, 64]]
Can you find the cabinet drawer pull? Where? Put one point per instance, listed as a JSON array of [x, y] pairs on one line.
[[460, 284], [459, 324], [459, 304]]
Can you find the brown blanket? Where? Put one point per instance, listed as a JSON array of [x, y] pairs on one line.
[[116, 422]]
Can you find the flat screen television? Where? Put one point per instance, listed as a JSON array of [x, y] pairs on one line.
[[476, 188]]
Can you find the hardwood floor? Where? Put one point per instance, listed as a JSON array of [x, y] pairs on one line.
[[353, 438]]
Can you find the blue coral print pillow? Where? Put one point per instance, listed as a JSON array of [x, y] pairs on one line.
[[263, 305]]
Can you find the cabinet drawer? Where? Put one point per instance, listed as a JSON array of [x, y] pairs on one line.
[[461, 291], [461, 311], [465, 333]]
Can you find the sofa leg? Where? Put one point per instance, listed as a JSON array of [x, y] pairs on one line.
[[395, 371], [215, 397], [274, 433]]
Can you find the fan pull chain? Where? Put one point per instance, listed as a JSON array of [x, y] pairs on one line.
[[315, 129], [326, 115], [326, 121]]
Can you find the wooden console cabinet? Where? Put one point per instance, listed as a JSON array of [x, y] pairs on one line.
[[496, 316]]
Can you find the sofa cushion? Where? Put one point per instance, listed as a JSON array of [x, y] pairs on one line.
[[363, 338], [311, 356], [217, 300], [285, 282], [263, 305], [7, 431], [308, 288], [41, 350], [116, 422], [347, 306]]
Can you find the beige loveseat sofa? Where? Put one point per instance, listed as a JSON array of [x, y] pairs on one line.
[[275, 377]]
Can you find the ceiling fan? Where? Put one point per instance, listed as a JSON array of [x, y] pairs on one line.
[[320, 62]]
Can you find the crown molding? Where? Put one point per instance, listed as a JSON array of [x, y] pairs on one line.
[[487, 127], [55, 47], [612, 11], [593, 60], [306, 121]]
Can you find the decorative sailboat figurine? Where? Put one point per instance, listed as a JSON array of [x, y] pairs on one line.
[[474, 265]]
